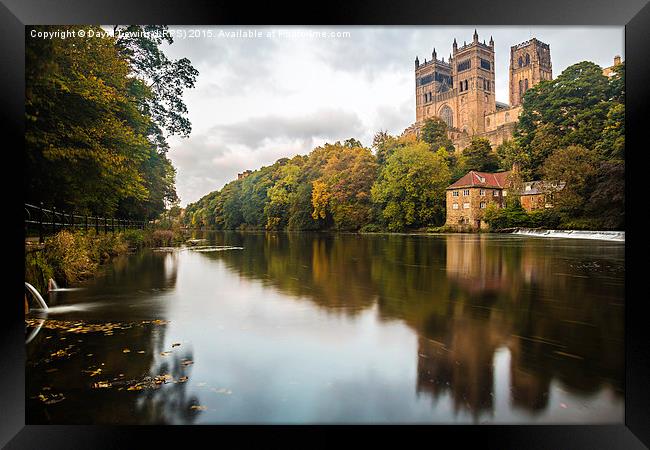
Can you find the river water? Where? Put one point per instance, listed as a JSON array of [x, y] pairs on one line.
[[320, 328]]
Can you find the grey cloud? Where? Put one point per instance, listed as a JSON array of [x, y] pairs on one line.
[[330, 124]]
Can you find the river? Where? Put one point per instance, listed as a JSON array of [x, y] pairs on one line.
[[338, 328]]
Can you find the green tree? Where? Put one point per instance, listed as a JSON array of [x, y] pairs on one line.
[[479, 156], [410, 190], [434, 133], [573, 166]]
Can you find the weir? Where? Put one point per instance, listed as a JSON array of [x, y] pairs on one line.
[[618, 236]]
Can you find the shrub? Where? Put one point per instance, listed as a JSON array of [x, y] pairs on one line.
[[371, 228]]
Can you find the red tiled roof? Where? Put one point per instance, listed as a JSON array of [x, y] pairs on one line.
[[482, 179]]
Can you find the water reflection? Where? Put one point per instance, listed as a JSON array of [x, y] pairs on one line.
[[304, 328], [556, 306]]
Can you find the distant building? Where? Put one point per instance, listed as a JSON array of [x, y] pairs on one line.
[[244, 174], [472, 193], [461, 90], [609, 71]]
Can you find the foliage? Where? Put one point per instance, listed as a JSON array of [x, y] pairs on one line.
[[479, 156], [410, 189], [343, 189], [574, 166], [434, 133], [96, 110]]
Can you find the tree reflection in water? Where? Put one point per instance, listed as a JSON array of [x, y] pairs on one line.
[[555, 305]]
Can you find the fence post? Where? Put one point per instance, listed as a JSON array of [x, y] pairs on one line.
[[40, 225], [53, 219], [72, 220], [96, 225], [105, 225], [86, 222]]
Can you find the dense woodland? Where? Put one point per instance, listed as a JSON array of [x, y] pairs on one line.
[[98, 113], [571, 129]]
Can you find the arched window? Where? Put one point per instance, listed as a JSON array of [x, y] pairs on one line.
[[465, 84], [521, 62], [527, 59], [447, 115]]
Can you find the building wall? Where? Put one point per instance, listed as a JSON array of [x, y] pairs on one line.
[[474, 213], [533, 201]]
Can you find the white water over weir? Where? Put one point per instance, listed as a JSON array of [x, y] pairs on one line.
[[618, 236]]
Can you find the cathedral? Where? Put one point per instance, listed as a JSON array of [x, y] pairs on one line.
[[461, 90]]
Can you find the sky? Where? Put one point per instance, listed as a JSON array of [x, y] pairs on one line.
[[287, 90]]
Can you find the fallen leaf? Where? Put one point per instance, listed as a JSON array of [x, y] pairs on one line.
[[126, 350]]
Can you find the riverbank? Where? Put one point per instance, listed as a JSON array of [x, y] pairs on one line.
[[72, 256]]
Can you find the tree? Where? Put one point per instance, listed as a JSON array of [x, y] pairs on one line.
[[573, 166], [434, 133], [479, 156], [410, 189], [509, 154], [343, 189], [165, 78], [576, 108]]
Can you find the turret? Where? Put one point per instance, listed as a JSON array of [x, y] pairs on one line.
[[417, 62], [491, 42], [455, 45], [433, 54], [475, 36]]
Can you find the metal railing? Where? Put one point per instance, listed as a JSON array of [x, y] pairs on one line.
[[49, 221]]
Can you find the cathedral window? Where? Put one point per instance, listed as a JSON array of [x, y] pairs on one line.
[[447, 115], [521, 61], [527, 59]]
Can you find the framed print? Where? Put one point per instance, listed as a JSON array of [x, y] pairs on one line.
[[386, 217]]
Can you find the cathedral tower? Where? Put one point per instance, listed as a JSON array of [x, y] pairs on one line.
[[530, 63], [473, 75]]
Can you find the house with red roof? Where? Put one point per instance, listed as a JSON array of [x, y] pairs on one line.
[[470, 195]]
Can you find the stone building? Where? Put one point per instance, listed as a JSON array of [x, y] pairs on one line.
[[470, 195], [609, 71], [461, 90]]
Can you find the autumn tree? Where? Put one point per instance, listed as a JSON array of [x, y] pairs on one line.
[[343, 189]]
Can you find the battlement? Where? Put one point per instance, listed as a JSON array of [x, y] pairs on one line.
[[530, 42]]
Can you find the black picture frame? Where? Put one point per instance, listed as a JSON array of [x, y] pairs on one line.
[[633, 14]]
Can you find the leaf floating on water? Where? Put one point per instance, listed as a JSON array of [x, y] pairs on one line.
[[89, 354], [164, 353], [198, 407], [142, 351], [182, 379], [186, 362], [51, 399], [126, 350], [101, 385], [176, 344]]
